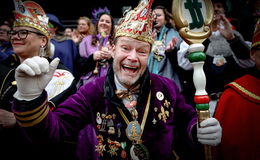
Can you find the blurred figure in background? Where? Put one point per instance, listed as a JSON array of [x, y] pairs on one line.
[[68, 32], [85, 27], [96, 49], [163, 58], [6, 48], [249, 19], [62, 46]]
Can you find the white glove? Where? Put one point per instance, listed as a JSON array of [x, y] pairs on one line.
[[210, 132], [32, 76]]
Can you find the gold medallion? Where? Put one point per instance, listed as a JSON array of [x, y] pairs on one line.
[[133, 131]]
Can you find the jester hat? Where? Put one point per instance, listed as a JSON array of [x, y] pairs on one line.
[[137, 23]]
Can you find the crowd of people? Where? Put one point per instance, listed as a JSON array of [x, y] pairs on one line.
[[124, 90]]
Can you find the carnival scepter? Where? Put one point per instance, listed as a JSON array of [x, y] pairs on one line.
[[193, 19], [103, 37]]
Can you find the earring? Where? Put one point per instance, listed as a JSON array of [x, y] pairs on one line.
[[42, 52]]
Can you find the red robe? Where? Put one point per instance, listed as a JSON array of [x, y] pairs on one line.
[[238, 112]]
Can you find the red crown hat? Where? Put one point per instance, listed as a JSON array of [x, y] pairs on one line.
[[256, 36], [31, 14], [137, 23]]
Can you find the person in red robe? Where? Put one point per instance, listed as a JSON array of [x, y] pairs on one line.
[[238, 112]]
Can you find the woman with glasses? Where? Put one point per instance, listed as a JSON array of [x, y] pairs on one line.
[[30, 38]]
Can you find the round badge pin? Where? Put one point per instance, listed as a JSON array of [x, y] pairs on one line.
[[160, 96]]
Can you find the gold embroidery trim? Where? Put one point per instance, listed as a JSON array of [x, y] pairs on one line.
[[35, 116], [250, 94], [30, 112], [2, 86], [36, 121]]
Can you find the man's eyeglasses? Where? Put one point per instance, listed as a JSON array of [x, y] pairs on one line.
[[22, 34]]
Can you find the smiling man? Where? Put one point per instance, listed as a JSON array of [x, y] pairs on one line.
[[128, 114], [130, 59]]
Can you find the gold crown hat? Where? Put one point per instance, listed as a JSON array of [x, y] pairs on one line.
[[137, 23], [31, 14]]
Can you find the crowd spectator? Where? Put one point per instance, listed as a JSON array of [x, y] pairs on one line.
[[68, 32], [163, 58], [85, 27], [249, 19], [96, 50], [62, 46], [6, 48]]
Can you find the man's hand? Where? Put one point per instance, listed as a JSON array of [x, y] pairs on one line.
[[210, 132], [170, 46], [7, 119], [32, 77], [227, 30]]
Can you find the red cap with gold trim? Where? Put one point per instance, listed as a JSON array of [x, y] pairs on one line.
[[137, 23], [256, 36], [31, 14]]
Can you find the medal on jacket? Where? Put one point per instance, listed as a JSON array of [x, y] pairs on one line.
[[158, 49], [134, 132], [139, 152]]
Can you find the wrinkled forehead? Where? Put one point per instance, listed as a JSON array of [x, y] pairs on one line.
[[132, 41]]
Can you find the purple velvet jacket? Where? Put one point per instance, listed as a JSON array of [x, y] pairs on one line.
[[92, 116]]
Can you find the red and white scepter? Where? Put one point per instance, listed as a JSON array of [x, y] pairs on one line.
[[192, 19]]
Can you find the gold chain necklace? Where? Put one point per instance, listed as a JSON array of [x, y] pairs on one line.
[[134, 131]]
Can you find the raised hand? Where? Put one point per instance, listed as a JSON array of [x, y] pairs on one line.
[[226, 31], [32, 77], [170, 46]]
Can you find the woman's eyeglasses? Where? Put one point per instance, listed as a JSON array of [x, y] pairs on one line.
[[22, 34]]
